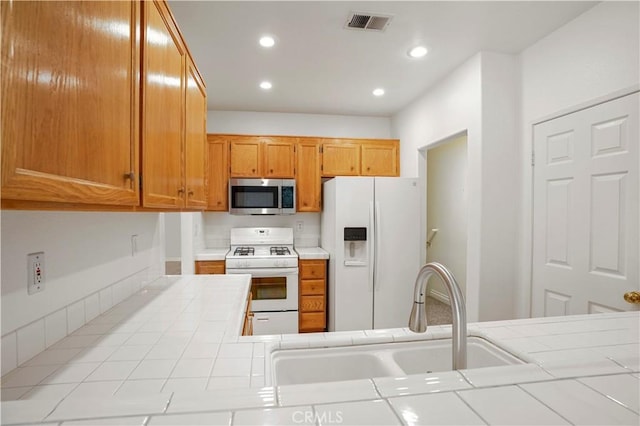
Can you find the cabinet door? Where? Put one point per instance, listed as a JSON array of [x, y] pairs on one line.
[[70, 101], [308, 180], [279, 157], [195, 138], [380, 159], [340, 159], [246, 157], [217, 173], [162, 112], [210, 267]]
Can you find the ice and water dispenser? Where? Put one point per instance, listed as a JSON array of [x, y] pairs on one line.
[[355, 246]]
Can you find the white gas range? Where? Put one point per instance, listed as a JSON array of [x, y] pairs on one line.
[[268, 255]]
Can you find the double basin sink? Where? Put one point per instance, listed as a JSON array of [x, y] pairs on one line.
[[298, 366]]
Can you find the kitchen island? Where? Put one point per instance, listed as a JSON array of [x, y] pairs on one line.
[[172, 354]]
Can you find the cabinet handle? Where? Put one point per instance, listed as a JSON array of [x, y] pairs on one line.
[[130, 175], [253, 170], [180, 190], [190, 193], [271, 171]]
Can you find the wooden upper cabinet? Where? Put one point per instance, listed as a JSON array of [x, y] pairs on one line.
[[340, 158], [195, 138], [70, 102], [279, 157], [308, 178], [162, 112], [245, 157], [380, 158], [217, 173]]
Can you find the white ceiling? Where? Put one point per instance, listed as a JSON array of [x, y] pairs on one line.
[[318, 66]]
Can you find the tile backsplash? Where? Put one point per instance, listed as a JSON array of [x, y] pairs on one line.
[[217, 226]]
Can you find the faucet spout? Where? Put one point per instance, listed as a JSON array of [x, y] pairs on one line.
[[418, 318]]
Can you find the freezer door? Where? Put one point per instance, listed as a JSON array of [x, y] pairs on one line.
[[397, 251], [350, 282]]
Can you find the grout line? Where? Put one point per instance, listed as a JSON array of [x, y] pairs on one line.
[[605, 395], [471, 408], [542, 402]]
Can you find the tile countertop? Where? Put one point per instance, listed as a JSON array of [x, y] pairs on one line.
[[212, 254], [171, 354], [308, 253]]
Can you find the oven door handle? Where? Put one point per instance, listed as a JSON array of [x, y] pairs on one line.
[[264, 272]]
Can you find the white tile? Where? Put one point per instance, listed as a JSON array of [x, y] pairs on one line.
[[197, 384], [58, 391], [232, 367], [74, 341], [12, 394], [509, 405], [55, 327], [130, 353], [27, 411], [31, 341], [9, 345], [623, 388], [230, 382], [200, 367], [208, 337], [258, 350], [224, 399], [201, 350], [175, 338], [505, 375], [112, 339], [27, 376], [134, 388], [98, 354], [75, 316], [258, 381], [303, 415], [91, 306], [318, 393], [101, 407], [580, 404], [375, 412], [153, 369], [576, 363], [111, 421], [71, 373], [112, 370], [143, 339], [236, 350], [106, 301], [94, 329], [434, 409], [222, 418], [54, 356], [95, 390], [627, 356], [257, 367], [165, 352], [420, 383]]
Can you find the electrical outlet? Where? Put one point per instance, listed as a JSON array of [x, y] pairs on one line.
[[35, 272], [134, 244], [299, 226]]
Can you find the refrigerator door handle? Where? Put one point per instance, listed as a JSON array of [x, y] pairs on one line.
[[376, 251], [372, 245]]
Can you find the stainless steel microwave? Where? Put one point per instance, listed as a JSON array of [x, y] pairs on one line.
[[262, 196]]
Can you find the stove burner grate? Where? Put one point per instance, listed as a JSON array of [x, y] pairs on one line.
[[244, 251], [280, 251]]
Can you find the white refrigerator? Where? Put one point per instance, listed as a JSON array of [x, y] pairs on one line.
[[371, 228]]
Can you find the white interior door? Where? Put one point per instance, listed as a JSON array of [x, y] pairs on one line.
[[586, 216]]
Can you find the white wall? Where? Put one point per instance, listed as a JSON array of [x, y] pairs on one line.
[[273, 123], [479, 97], [595, 55], [447, 211], [172, 236], [89, 267]]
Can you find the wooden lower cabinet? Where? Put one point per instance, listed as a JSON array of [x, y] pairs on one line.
[[247, 327], [312, 293], [210, 267]]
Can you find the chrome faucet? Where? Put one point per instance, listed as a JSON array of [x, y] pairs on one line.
[[418, 318]]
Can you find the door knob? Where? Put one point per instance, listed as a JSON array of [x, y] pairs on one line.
[[632, 297]]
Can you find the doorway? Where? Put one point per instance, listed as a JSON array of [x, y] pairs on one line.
[[447, 212]]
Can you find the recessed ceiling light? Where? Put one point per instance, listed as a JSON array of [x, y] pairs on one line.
[[378, 92], [267, 41], [418, 52], [266, 85]]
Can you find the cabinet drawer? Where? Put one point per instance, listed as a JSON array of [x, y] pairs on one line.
[[312, 287], [210, 267], [311, 304], [314, 321], [312, 269]]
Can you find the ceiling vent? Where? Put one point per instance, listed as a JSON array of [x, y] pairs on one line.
[[368, 21]]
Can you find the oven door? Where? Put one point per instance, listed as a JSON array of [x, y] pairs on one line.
[[272, 289]]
